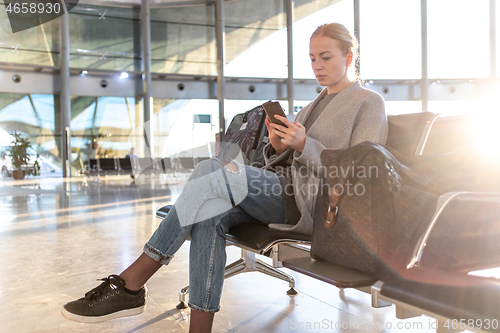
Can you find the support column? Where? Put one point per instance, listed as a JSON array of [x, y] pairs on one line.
[[65, 104], [290, 84], [220, 35], [424, 83], [357, 33], [138, 109], [146, 78], [493, 44]]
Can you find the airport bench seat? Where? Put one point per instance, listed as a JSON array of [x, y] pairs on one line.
[[136, 166], [109, 166], [125, 165]]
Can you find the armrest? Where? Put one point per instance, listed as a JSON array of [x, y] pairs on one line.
[[443, 293], [444, 201]]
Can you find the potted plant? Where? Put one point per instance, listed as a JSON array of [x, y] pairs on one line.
[[19, 154]]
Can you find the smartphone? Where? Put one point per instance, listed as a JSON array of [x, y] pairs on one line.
[[273, 108]]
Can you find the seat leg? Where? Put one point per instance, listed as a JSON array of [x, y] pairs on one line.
[[234, 264], [274, 272], [375, 292], [247, 263], [182, 298], [235, 268], [404, 313]]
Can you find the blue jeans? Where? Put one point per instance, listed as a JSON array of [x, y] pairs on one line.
[[207, 258]]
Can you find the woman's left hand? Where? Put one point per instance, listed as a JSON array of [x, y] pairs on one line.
[[294, 136]]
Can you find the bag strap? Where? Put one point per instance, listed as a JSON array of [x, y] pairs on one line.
[[227, 185], [395, 189]]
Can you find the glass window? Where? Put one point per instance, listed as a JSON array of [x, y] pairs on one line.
[[255, 39], [461, 107], [21, 112], [390, 40], [402, 107], [32, 115], [105, 38], [107, 121], [177, 131], [37, 45], [183, 40], [260, 49], [458, 38]]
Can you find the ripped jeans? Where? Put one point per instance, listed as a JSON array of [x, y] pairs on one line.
[[211, 202]]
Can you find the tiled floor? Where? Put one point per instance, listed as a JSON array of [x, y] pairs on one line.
[[57, 237]]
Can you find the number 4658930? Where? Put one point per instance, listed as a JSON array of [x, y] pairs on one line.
[[33, 8], [471, 324]]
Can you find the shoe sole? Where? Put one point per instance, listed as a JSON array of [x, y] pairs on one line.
[[100, 319]]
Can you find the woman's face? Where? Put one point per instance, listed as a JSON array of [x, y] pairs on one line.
[[329, 63]]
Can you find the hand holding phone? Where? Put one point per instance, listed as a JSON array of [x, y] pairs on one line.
[[294, 136], [272, 108]]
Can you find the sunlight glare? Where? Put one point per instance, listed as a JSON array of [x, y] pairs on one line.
[[486, 129], [490, 272]]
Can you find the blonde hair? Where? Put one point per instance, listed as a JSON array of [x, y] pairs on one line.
[[348, 42]]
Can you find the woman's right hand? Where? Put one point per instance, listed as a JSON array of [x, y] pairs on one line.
[[279, 146]]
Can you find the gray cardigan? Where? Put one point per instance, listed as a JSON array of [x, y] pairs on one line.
[[355, 115]]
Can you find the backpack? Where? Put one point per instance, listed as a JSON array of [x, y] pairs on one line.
[[246, 135]]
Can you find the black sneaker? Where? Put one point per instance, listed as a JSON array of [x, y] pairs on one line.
[[108, 301]]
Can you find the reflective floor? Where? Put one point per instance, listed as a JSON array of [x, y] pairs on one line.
[[57, 237]]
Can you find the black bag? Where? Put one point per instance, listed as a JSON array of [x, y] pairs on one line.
[[247, 134], [381, 205]]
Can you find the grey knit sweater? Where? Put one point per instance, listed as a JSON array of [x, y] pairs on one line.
[[355, 115]]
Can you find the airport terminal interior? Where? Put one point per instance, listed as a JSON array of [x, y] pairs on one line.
[[113, 103]]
